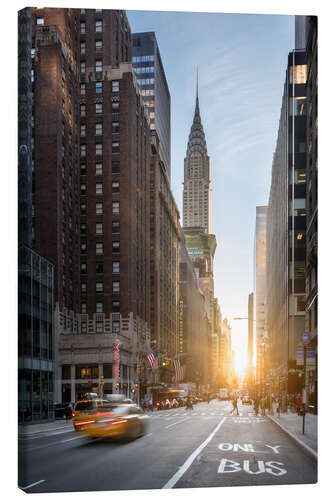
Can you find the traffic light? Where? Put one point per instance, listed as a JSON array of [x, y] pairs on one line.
[[164, 362], [101, 380]]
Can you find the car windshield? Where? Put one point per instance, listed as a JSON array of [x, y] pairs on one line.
[[85, 406], [121, 410]]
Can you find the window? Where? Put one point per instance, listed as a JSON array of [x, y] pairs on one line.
[[98, 66], [115, 127], [99, 326], [83, 67], [297, 106], [99, 307], [83, 47], [115, 85], [115, 107], [83, 247], [32, 75], [40, 20], [99, 228], [83, 110], [115, 167], [115, 286], [115, 227], [115, 309], [299, 72], [98, 26], [98, 87], [83, 130], [99, 169], [82, 11], [115, 147], [116, 267], [99, 248], [98, 45], [83, 228], [116, 246], [99, 129], [99, 267], [99, 287], [83, 188], [83, 208], [115, 324], [83, 268], [83, 150], [82, 28], [83, 169], [115, 207], [83, 287], [115, 187], [99, 208], [83, 327], [99, 188], [82, 88], [99, 149], [98, 108]]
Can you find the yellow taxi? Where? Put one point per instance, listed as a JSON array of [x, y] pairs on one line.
[[105, 418]]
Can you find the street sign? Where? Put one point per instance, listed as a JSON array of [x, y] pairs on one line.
[[306, 338]]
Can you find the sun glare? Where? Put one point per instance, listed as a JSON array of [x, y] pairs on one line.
[[241, 363]]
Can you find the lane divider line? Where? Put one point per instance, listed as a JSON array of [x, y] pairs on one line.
[[167, 427], [31, 485], [175, 478]]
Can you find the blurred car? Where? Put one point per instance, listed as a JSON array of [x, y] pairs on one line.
[[89, 408], [125, 420]]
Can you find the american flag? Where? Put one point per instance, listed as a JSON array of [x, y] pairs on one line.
[[179, 370], [153, 359]]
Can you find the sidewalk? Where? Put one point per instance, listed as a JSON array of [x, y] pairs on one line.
[[31, 429], [291, 423]]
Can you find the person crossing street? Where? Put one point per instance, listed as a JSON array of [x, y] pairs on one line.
[[235, 405]]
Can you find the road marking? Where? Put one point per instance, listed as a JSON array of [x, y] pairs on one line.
[[175, 478], [167, 427], [31, 485], [71, 439]]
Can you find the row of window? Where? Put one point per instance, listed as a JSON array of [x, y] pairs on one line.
[[146, 81], [100, 287], [145, 69], [115, 127], [98, 189], [99, 225], [99, 324], [99, 171], [115, 228], [98, 27], [142, 59], [99, 247], [99, 108], [99, 87], [99, 208], [98, 46], [115, 148]]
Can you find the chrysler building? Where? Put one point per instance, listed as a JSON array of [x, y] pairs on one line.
[[197, 209]]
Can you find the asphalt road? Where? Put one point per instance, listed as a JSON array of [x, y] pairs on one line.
[[203, 447]]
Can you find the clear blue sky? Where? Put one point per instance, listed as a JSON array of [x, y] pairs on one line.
[[242, 61]]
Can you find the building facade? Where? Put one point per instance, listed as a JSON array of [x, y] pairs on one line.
[[164, 264], [148, 66], [311, 270], [260, 286], [286, 230]]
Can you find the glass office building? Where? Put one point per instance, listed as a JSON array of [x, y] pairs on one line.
[[35, 337], [151, 78]]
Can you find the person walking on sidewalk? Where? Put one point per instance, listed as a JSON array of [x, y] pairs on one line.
[[298, 402], [235, 405], [69, 411]]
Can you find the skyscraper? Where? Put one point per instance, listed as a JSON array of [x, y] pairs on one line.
[[197, 209], [147, 64]]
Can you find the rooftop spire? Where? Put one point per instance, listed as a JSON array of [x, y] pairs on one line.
[[197, 83]]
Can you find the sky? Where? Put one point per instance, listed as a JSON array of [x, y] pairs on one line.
[[242, 61]]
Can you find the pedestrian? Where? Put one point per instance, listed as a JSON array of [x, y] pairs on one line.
[[256, 405], [69, 411], [235, 405], [298, 402]]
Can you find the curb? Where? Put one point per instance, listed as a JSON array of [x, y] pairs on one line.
[[305, 448]]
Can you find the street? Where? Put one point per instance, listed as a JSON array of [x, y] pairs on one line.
[[203, 447]]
